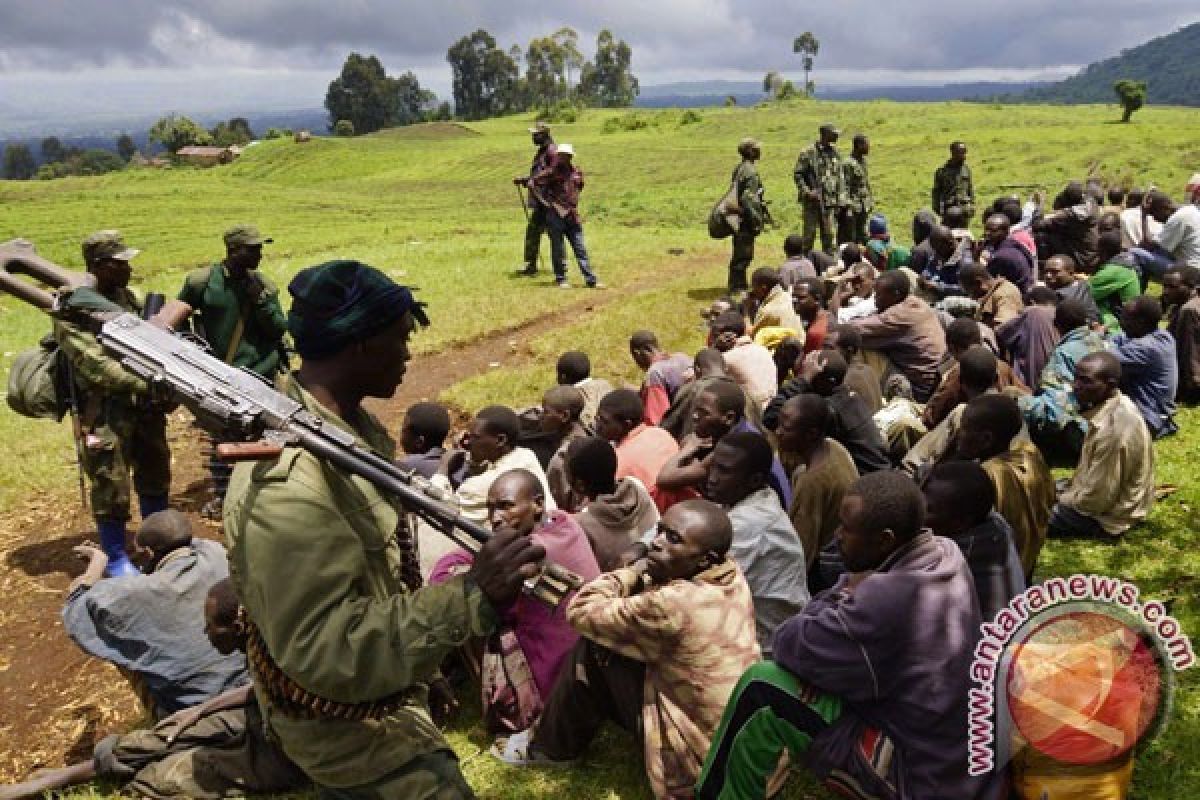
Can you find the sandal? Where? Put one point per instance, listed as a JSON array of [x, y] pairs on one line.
[[517, 751]]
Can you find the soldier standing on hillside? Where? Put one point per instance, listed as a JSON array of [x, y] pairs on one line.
[[747, 190], [535, 226], [952, 184], [819, 180], [852, 223]]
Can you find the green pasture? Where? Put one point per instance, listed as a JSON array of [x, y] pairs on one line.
[[434, 205]]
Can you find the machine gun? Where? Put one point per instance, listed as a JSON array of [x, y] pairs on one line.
[[227, 399]]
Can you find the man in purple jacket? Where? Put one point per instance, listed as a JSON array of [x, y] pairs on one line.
[[1007, 258], [869, 682]]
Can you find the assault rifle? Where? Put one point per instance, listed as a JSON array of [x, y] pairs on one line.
[[236, 401]]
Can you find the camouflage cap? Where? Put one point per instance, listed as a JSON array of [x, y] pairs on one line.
[[831, 129], [246, 235], [749, 142], [103, 245], [540, 127]]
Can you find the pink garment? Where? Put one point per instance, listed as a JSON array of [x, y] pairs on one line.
[[1025, 239], [752, 366], [545, 635], [642, 454]]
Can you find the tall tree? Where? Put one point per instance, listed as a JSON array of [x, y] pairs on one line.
[[174, 132], [545, 65], [568, 45], [52, 150], [807, 46], [361, 94], [126, 149], [608, 81], [19, 163], [411, 99], [1132, 95], [484, 77], [235, 131], [771, 82]]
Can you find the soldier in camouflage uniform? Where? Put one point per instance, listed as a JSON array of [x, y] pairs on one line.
[[747, 189], [122, 429], [342, 639], [952, 184], [822, 190], [535, 209], [852, 223]]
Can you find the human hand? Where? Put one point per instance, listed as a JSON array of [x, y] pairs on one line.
[[182, 720], [97, 561], [443, 705], [636, 552], [503, 564], [519, 181], [814, 364]]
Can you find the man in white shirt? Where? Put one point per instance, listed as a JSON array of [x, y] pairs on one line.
[[1179, 240], [1132, 234]]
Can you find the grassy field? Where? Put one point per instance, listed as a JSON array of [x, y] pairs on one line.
[[435, 207]]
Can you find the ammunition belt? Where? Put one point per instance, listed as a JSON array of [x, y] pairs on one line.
[[292, 700]]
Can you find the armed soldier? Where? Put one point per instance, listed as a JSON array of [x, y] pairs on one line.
[[236, 310], [852, 222], [121, 427], [952, 184], [820, 182], [748, 192], [342, 640], [535, 209]]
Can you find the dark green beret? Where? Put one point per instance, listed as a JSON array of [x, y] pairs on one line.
[[338, 303]]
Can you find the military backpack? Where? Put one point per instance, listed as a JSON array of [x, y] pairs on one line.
[[37, 382]]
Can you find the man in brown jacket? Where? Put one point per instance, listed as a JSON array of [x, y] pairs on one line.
[[906, 331]]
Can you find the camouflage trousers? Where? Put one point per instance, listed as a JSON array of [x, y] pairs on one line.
[[817, 221], [534, 228], [432, 776], [740, 260], [225, 754], [121, 443], [852, 226]]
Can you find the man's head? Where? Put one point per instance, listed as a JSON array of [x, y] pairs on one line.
[[851, 253], [1041, 296], [1071, 195], [977, 371], [881, 512], [708, 363], [988, 426], [955, 217], [516, 501], [493, 434], [1108, 246], [862, 145], [1097, 377], [223, 623], [785, 356], [845, 339], [958, 152], [717, 409], [561, 407], [832, 373], [160, 534], [1059, 272], [540, 133], [892, 288], [1116, 196], [961, 335], [692, 536], [808, 297], [644, 348], [425, 427], [573, 366], [1070, 315], [1011, 208], [741, 465], [924, 221], [729, 322], [943, 242], [619, 412], [1179, 285], [995, 229], [1158, 205], [763, 281], [804, 421], [1141, 316], [1110, 221], [975, 280], [243, 248], [591, 463], [958, 496], [829, 133], [749, 148], [862, 279], [107, 257], [1134, 198], [355, 321], [793, 245]]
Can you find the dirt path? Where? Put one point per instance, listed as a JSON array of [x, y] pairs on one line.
[[56, 702]]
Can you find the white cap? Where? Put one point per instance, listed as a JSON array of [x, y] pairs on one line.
[[566, 149], [1193, 184]]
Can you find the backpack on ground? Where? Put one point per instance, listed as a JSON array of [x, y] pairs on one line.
[[37, 382]]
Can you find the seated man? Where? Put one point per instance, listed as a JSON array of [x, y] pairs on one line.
[[1180, 295], [1006, 257], [937, 277], [991, 428], [425, 428], [1028, 340], [861, 378], [765, 545], [959, 501], [213, 750], [516, 501], [709, 368], [878, 664], [1149, 369], [961, 335], [664, 641], [490, 451], [618, 512], [774, 303], [998, 300], [797, 266], [574, 368], [824, 374], [1060, 274], [1178, 242], [906, 331], [808, 299], [718, 411], [665, 373], [1070, 228], [748, 363], [641, 449], [561, 407], [824, 471], [1054, 422], [854, 295], [1113, 283], [151, 626], [1113, 486]]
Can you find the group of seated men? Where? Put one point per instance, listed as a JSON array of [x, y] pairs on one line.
[[846, 481]]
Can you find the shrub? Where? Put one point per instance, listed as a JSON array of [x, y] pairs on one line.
[[690, 117], [625, 122], [563, 112], [344, 127]]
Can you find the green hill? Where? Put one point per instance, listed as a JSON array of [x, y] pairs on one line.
[[1168, 64]]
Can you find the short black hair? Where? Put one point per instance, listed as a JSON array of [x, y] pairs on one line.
[[848, 338], [643, 340], [815, 286], [891, 500], [709, 358], [1042, 296], [1116, 196], [226, 602], [968, 483], [1109, 243], [593, 461], [859, 137], [813, 408], [729, 397], [565, 398], [972, 274], [895, 281], [730, 322], [851, 253], [1070, 314], [500, 421], [430, 421], [997, 413], [1012, 209], [954, 217], [835, 366], [757, 455], [165, 531], [623, 404], [1189, 276], [1134, 198], [963, 332], [1147, 308], [977, 368], [574, 366], [765, 276], [793, 245], [1110, 365]]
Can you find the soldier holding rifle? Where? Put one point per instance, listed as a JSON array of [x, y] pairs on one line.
[[821, 186], [535, 210]]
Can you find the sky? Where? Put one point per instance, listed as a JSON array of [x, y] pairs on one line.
[[149, 56]]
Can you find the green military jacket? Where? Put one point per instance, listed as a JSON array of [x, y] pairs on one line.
[[314, 556], [820, 167], [952, 186], [219, 303], [748, 190], [98, 376], [858, 184]]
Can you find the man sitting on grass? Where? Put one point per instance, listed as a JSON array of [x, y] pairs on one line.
[[1180, 295], [561, 407], [665, 373], [574, 368], [961, 335], [747, 362], [617, 513], [425, 428], [1149, 369], [998, 300], [641, 449]]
